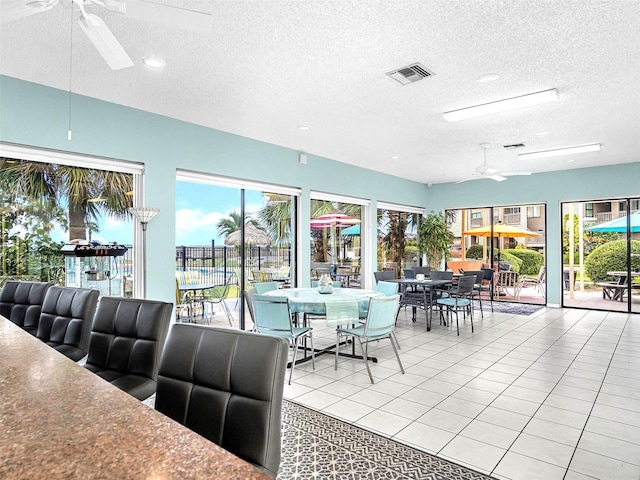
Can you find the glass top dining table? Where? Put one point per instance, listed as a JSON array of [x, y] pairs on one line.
[[310, 300]]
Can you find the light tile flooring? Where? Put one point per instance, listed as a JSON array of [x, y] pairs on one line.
[[554, 395]]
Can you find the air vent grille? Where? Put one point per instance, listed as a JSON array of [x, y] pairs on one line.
[[410, 74]]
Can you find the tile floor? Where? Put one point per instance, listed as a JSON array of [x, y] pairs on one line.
[[554, 395]]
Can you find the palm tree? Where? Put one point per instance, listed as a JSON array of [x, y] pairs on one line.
[[87, 193], [230, 224]]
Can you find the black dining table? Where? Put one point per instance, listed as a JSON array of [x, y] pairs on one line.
[[422, 296]]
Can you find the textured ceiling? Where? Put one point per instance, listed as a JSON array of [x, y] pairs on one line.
[[267, 67]]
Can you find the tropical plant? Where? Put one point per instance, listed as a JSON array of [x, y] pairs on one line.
[[275, 217], [434, 238], [230, 224], [86, 193], [394, 241]]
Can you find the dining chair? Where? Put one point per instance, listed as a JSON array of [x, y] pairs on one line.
[[21, 302], [226, 385], [380, 322], [423, 270], [479, 275], [384, 275], [488, 284], [388, 288], [126, 340], [409, 273], [65, 320], [459, 300], [217, 296], [273, 317], [248, 297], [264, 287]]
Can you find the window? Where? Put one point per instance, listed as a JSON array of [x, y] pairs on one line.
[[533, 211], [588, 209]]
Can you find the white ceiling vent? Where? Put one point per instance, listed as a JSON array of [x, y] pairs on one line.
[[410, 74]]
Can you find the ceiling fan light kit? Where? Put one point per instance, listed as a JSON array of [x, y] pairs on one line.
[[557, 152], [500, 106]]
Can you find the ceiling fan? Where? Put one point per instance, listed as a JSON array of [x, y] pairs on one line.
[[98, 33], [488, 171]]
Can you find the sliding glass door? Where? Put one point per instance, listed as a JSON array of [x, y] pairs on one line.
[[601, 254], [507, 238], [234, 232]]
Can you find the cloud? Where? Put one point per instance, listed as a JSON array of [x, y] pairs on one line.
[[195, 227]]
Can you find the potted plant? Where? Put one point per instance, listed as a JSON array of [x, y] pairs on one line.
[[434, 238]]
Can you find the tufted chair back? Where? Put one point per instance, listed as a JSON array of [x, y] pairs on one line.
[[126, 341], [21, 302], [65, 321], [227, 386]]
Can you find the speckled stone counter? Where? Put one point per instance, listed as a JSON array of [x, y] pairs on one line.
[[60, 421]]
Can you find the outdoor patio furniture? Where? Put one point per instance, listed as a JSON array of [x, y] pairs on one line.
[[538, 282], [506, 280]]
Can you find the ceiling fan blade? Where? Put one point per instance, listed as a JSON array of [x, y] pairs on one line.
[[10, 12], [497, 178], [105, 42], [513, 174], [168, 15], [468, 179]]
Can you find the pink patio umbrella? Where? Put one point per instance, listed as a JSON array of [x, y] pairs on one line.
[[333, 221]]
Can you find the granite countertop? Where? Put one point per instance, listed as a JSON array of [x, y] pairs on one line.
[[60, 421]]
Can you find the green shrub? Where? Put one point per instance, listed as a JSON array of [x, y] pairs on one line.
[[474, 252], [516, 263], [576, 258], [531, 260], [611, 256]]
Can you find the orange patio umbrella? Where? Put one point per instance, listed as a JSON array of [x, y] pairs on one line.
[[501, 230]]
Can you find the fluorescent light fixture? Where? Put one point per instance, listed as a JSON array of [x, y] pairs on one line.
[[514, 103], [593, 147]]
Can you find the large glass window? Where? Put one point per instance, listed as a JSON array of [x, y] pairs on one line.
[[505, 239], [601, 254], [336, 228], [397, 237], [51, 209], [233, 232]]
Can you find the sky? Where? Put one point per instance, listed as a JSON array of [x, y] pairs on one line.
[[199, 208]]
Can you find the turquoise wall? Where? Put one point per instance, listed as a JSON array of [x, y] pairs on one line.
[[35, 115], [552, 188]]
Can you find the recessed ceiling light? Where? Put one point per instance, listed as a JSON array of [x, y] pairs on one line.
[[571, 160], [395, 157], [541, 134], [304, 127], [488, 77], [593, 147], [502, 105], [154, 62]]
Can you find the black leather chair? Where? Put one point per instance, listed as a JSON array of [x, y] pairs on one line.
[[126, 341], [65, 320], [227, 386], [21, 302]]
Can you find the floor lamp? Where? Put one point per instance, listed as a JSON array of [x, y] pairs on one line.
[[144, 216]]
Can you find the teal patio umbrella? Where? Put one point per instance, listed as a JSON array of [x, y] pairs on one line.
[[618, 225]]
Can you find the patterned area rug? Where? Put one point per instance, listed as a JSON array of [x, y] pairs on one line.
[[508, 307], [317, 446]]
